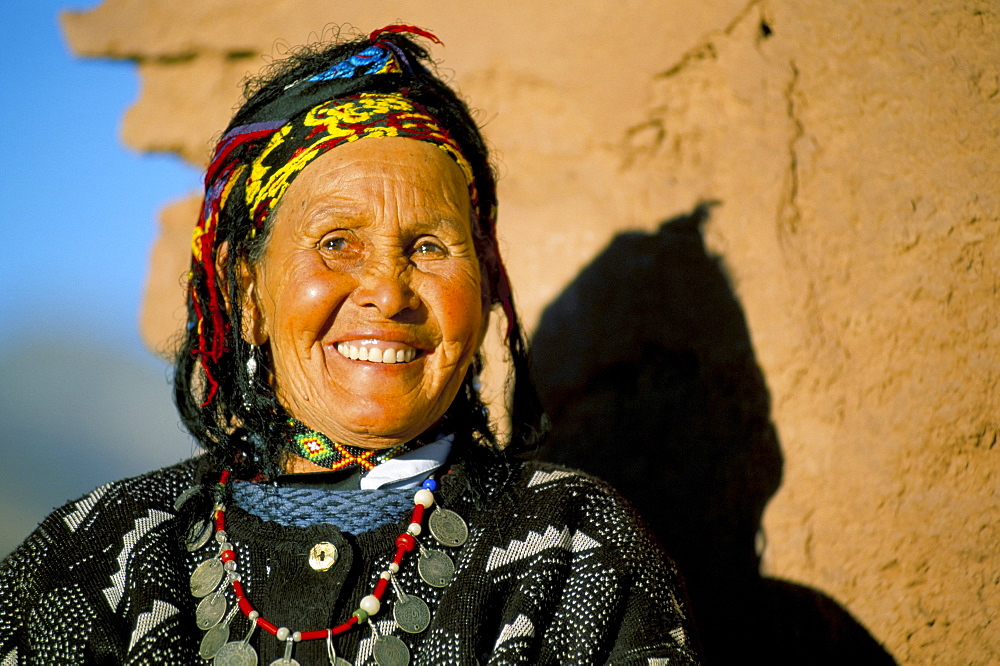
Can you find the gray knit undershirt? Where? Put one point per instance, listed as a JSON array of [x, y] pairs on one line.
[[351, 511]]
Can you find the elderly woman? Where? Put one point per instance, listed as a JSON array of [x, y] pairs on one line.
[[352, 503]]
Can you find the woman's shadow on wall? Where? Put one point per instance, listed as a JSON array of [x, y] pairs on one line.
[[646, 370]]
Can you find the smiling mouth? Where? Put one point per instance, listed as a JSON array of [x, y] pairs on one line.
[[376, 351]]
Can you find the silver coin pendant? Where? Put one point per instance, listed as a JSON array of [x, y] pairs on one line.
[[281, 661], [390, 651], [411, 614], [435, 568], [206, 577], [198, 535], [184, 497], [448, 527], [236, 653], [210, 610], [213, 639]]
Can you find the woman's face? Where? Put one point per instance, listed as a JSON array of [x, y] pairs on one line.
[[369, 291]]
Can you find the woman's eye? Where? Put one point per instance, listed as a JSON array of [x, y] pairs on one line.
[[428, 247], [334, 244]]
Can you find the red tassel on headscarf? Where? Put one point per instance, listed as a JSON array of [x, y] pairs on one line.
[[402, 27]]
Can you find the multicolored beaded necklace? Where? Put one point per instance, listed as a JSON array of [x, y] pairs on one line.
[[410, 612], [319, 449]]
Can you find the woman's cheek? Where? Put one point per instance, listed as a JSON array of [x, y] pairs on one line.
[[461, 301], [312, 299]]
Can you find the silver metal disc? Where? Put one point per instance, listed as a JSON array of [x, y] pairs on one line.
[[184, 497], [236, 653], [435, 567], [281, 661], [210, 610], [411, 614], [206, 577], [448, 527], [213, 639], [390, 651], [198, 535]]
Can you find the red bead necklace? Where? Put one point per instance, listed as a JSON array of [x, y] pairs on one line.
[[368, 606]]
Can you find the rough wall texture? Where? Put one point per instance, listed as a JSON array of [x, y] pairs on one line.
[[852, 149]]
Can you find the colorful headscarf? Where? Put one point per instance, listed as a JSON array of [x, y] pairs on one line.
[[314, 124], [330, 124]]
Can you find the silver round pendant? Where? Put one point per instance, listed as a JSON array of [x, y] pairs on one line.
[[448, 527], [390, 651], [435, 568], [198, 535], [281, 661], [236, 653], [411, 614], [213, 639], [184, 497], [206, 577], [210, 610]]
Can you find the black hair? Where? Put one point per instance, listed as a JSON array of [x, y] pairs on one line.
[[231, 409]]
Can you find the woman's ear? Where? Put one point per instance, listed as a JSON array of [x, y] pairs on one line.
[[251, 317]]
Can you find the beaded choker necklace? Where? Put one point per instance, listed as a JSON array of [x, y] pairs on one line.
[[320, 450], [411, 613]]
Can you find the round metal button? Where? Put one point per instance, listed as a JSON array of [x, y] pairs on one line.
[[323, 556]]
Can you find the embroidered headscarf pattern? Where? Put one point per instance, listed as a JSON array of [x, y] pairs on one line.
[[330, 124]]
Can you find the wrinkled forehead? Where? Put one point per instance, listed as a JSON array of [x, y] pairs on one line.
[[410, 183]]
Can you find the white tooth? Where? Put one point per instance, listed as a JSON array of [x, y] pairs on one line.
[[354, 353], [341, 349], [401, 356], [410, 355], [363, 353], [389, 356]]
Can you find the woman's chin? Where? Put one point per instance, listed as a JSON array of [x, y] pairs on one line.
[[378, 426]]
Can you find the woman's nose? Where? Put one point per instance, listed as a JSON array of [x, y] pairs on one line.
[[386, 287]]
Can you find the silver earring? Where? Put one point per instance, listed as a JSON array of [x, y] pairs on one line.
[[252, 363], [252, 374]]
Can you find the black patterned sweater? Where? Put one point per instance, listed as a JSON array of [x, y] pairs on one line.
[[557, 569]]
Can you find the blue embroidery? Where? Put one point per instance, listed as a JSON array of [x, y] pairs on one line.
[[371, 60]]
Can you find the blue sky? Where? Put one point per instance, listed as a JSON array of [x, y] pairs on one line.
[[82, 402], [84, 206]]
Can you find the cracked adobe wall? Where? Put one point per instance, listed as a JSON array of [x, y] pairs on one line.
[[852, 147]]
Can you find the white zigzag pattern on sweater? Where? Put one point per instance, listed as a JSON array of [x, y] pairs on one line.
[[534, 543], [540, 478], [142, 526], [74, 518], [521, 627], [147, 620]]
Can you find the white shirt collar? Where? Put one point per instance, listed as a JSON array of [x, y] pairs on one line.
[[410, 469]]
